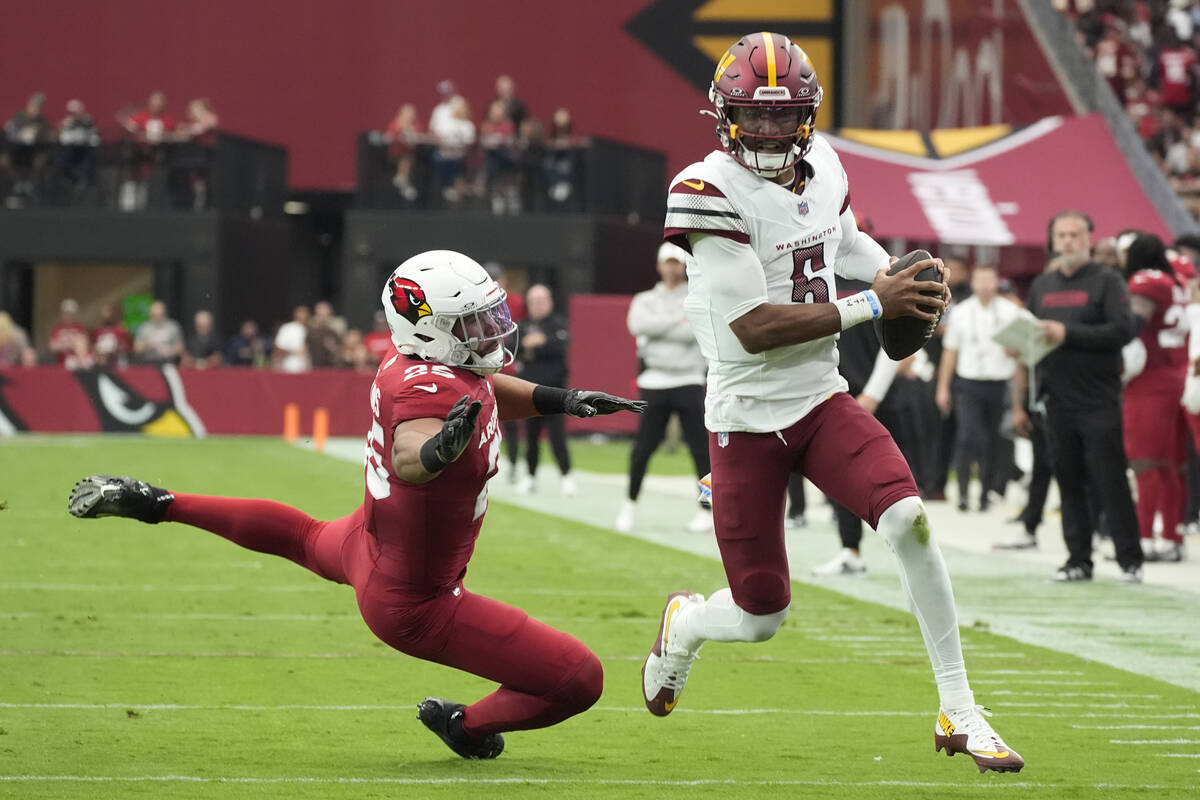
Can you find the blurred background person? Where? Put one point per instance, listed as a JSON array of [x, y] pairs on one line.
[[453, 133], [248, 348], [355, 354], [1083, 307], [290, 352], [543, 356], [1155, 371], [325, 336], [973, 379], [402, 134], [76, 161], [159, 340], [497, 138], [506, 93], [671, 375], [940, 451], [69, 340], [112, 342], [203, 345], [149, 126], [378, 340], [28, 132], [560, 163], [13, 342]]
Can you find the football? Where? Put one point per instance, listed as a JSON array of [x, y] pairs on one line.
[[903, 336]]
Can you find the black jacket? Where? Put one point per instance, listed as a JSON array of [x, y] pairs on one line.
[[1084, 372], [546, 364]]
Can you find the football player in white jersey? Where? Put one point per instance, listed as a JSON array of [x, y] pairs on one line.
[[766, 221]]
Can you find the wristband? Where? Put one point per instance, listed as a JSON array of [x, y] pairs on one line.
[[549, 400], [431, 462], [858, 308]]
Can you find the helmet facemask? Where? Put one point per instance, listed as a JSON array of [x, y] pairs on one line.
[[484, 340], [766, 135]]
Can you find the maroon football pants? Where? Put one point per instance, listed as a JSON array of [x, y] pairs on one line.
[[545, 675], [839, 446]]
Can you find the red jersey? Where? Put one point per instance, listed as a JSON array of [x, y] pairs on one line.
[[152, 127], [63, 337], [426, 531], [1176, 65], [1165, 335], [379, 345]]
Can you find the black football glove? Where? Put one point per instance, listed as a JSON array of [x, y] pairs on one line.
[[581, 403], [457, 429]]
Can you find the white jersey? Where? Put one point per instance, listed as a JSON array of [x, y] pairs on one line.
[[795, 238]]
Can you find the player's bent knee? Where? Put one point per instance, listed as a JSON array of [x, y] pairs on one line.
[[904, 519], [581, 691]]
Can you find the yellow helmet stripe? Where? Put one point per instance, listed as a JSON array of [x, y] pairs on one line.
[[769, 42]]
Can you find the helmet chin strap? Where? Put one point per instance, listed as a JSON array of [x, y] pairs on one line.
[[768, 170]]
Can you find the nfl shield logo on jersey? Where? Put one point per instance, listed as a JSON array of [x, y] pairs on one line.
[[722, 440], [803, 207]]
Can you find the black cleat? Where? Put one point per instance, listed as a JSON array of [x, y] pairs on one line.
[[111, 496], [445, 719]]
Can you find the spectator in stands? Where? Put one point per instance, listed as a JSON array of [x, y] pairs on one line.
[[378, 340], [28, 132], [506, 93], [325, 336], [543, 354], [497, 138], [159, 340], [70, 343], [531, 154], [152, 124], [1176, 73], [150, 127], [402, 135], [203, 345], [248, 348], [112, 342], [671, 376], [200, 120], [355, 354], [1116, 60], [973, 378], [13, 342], [76, 162], [453, 133], [562, 157], [290, 353]]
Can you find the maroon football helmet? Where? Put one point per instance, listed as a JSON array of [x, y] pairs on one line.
[[766, 96]]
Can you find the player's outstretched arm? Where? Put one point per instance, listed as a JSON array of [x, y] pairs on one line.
[[422, 448], [518, 399]]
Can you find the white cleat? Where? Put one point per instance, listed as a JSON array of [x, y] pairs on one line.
[[525, 485], [846, 562], [965, 730], [569, 489], [702, 522], [666, 668], [626, 517]]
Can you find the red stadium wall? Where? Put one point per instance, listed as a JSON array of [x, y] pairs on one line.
[[309, 74]]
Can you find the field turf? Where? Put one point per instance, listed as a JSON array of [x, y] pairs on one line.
[[161, 662]]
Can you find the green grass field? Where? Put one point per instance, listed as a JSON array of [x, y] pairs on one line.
[[141, 661]]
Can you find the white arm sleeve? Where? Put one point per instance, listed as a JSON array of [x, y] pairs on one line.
[[882, 375], [858, 256], [1133, 360], [736, 280]]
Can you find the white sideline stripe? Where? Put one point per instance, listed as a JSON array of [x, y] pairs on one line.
[[1026, 672], [608, 709], [1154, 741], [1089, 705], [1009, 693], [301, 779], [1178, 755], [1138, 727], [1049, 683], [146, 587]]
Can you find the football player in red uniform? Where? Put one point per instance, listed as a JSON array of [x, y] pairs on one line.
[[436, 408], [1155, 368]]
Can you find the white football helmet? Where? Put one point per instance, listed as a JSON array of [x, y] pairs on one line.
[[443, 306]]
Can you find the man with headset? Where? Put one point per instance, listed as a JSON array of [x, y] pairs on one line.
[[1083, 306]]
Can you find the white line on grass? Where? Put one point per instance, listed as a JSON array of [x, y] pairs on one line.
[[1010, 681], [1154, 741], [1008, 693], [1138, 727], [556, 781], [606, 709], [1178, 755]]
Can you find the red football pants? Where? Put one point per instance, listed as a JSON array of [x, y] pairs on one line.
[[545, 675]]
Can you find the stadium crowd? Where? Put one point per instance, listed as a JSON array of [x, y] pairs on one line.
[[1149, 52]]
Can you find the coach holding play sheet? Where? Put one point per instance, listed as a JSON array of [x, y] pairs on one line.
[[1084, 308]]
